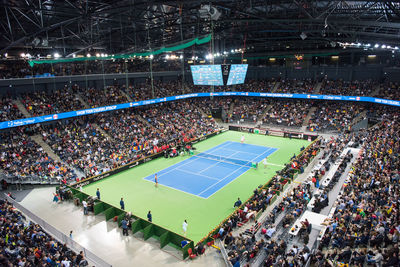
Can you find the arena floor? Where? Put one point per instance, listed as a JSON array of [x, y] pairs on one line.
[[183, 198]]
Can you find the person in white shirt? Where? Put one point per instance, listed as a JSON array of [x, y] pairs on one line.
[[265, 163], [65, 263], [242, 139], [85, 207], [184, 227]]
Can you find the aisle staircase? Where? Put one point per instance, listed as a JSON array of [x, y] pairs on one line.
[[144, 121], [276, 86], [22, 108], [308, 117], [317, 88], [260, 117], [358, 118], [376, 90], [127, 96], [83, 102], [39, 140]]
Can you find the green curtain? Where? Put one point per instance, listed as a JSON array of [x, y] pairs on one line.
[[196, 41]]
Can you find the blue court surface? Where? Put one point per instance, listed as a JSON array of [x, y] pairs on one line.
[[202, 176]]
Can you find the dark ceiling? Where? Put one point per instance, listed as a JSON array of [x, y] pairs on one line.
[[262, 26]]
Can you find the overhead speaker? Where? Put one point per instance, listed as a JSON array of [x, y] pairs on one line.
[[303, 36], [207, 11]]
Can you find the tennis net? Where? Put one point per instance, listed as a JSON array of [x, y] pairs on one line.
[[224, 159]]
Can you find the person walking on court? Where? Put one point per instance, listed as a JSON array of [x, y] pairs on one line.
[[237, 203], [155, 180], [122, 203], [149, 216], [265, 162], [184, 227], [70, 234], [242, 139], [98, 194]]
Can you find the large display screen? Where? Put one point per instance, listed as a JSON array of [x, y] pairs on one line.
[[207, 75], [237, 74]]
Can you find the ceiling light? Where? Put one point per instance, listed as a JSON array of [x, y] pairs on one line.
[[22, 55], [383, 46], [56, 55], [88, 55], [376, 45], [151, 56]]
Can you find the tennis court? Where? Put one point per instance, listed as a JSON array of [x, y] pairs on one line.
[[207, 172], [184, 197]]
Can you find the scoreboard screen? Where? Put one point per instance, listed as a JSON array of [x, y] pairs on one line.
[[237, 74], [207, 74]]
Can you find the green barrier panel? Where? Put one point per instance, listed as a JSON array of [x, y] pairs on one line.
[[186, 248], [74, 191], [139, 225], [164, 239], [82, 196], [107, 206], [148, 232], [98, 208], [136, 226], [109, 213], [273, 199], [159, 231]]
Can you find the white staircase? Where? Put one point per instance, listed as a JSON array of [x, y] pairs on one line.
[[317, 88], [127, 96], [39, 140], [308, 117], [276, 86], [86, 105], [22, 108]]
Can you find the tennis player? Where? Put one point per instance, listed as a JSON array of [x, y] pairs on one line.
[[242, 139], [155, 180], [184, 227], [265, 162]]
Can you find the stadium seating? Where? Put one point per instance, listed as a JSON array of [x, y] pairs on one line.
[[25, 243]]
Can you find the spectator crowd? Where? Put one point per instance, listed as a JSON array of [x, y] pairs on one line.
[[23, 243]]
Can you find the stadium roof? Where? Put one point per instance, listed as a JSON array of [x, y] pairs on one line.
[[260, 26]]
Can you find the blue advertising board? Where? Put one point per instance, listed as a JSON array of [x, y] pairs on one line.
[[71, 114]]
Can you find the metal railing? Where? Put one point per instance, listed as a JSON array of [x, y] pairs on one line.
[[61, 237]]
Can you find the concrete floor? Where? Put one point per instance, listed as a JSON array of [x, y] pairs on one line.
[[104, 238]]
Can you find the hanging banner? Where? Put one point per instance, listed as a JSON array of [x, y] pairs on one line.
[[196, 41]]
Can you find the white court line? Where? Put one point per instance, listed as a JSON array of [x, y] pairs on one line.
[[176, 189], [273, 164], [212, 165], [221, 180], [225, 178], [241, 151], [189, 161], [276, 149], [194, 173]]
